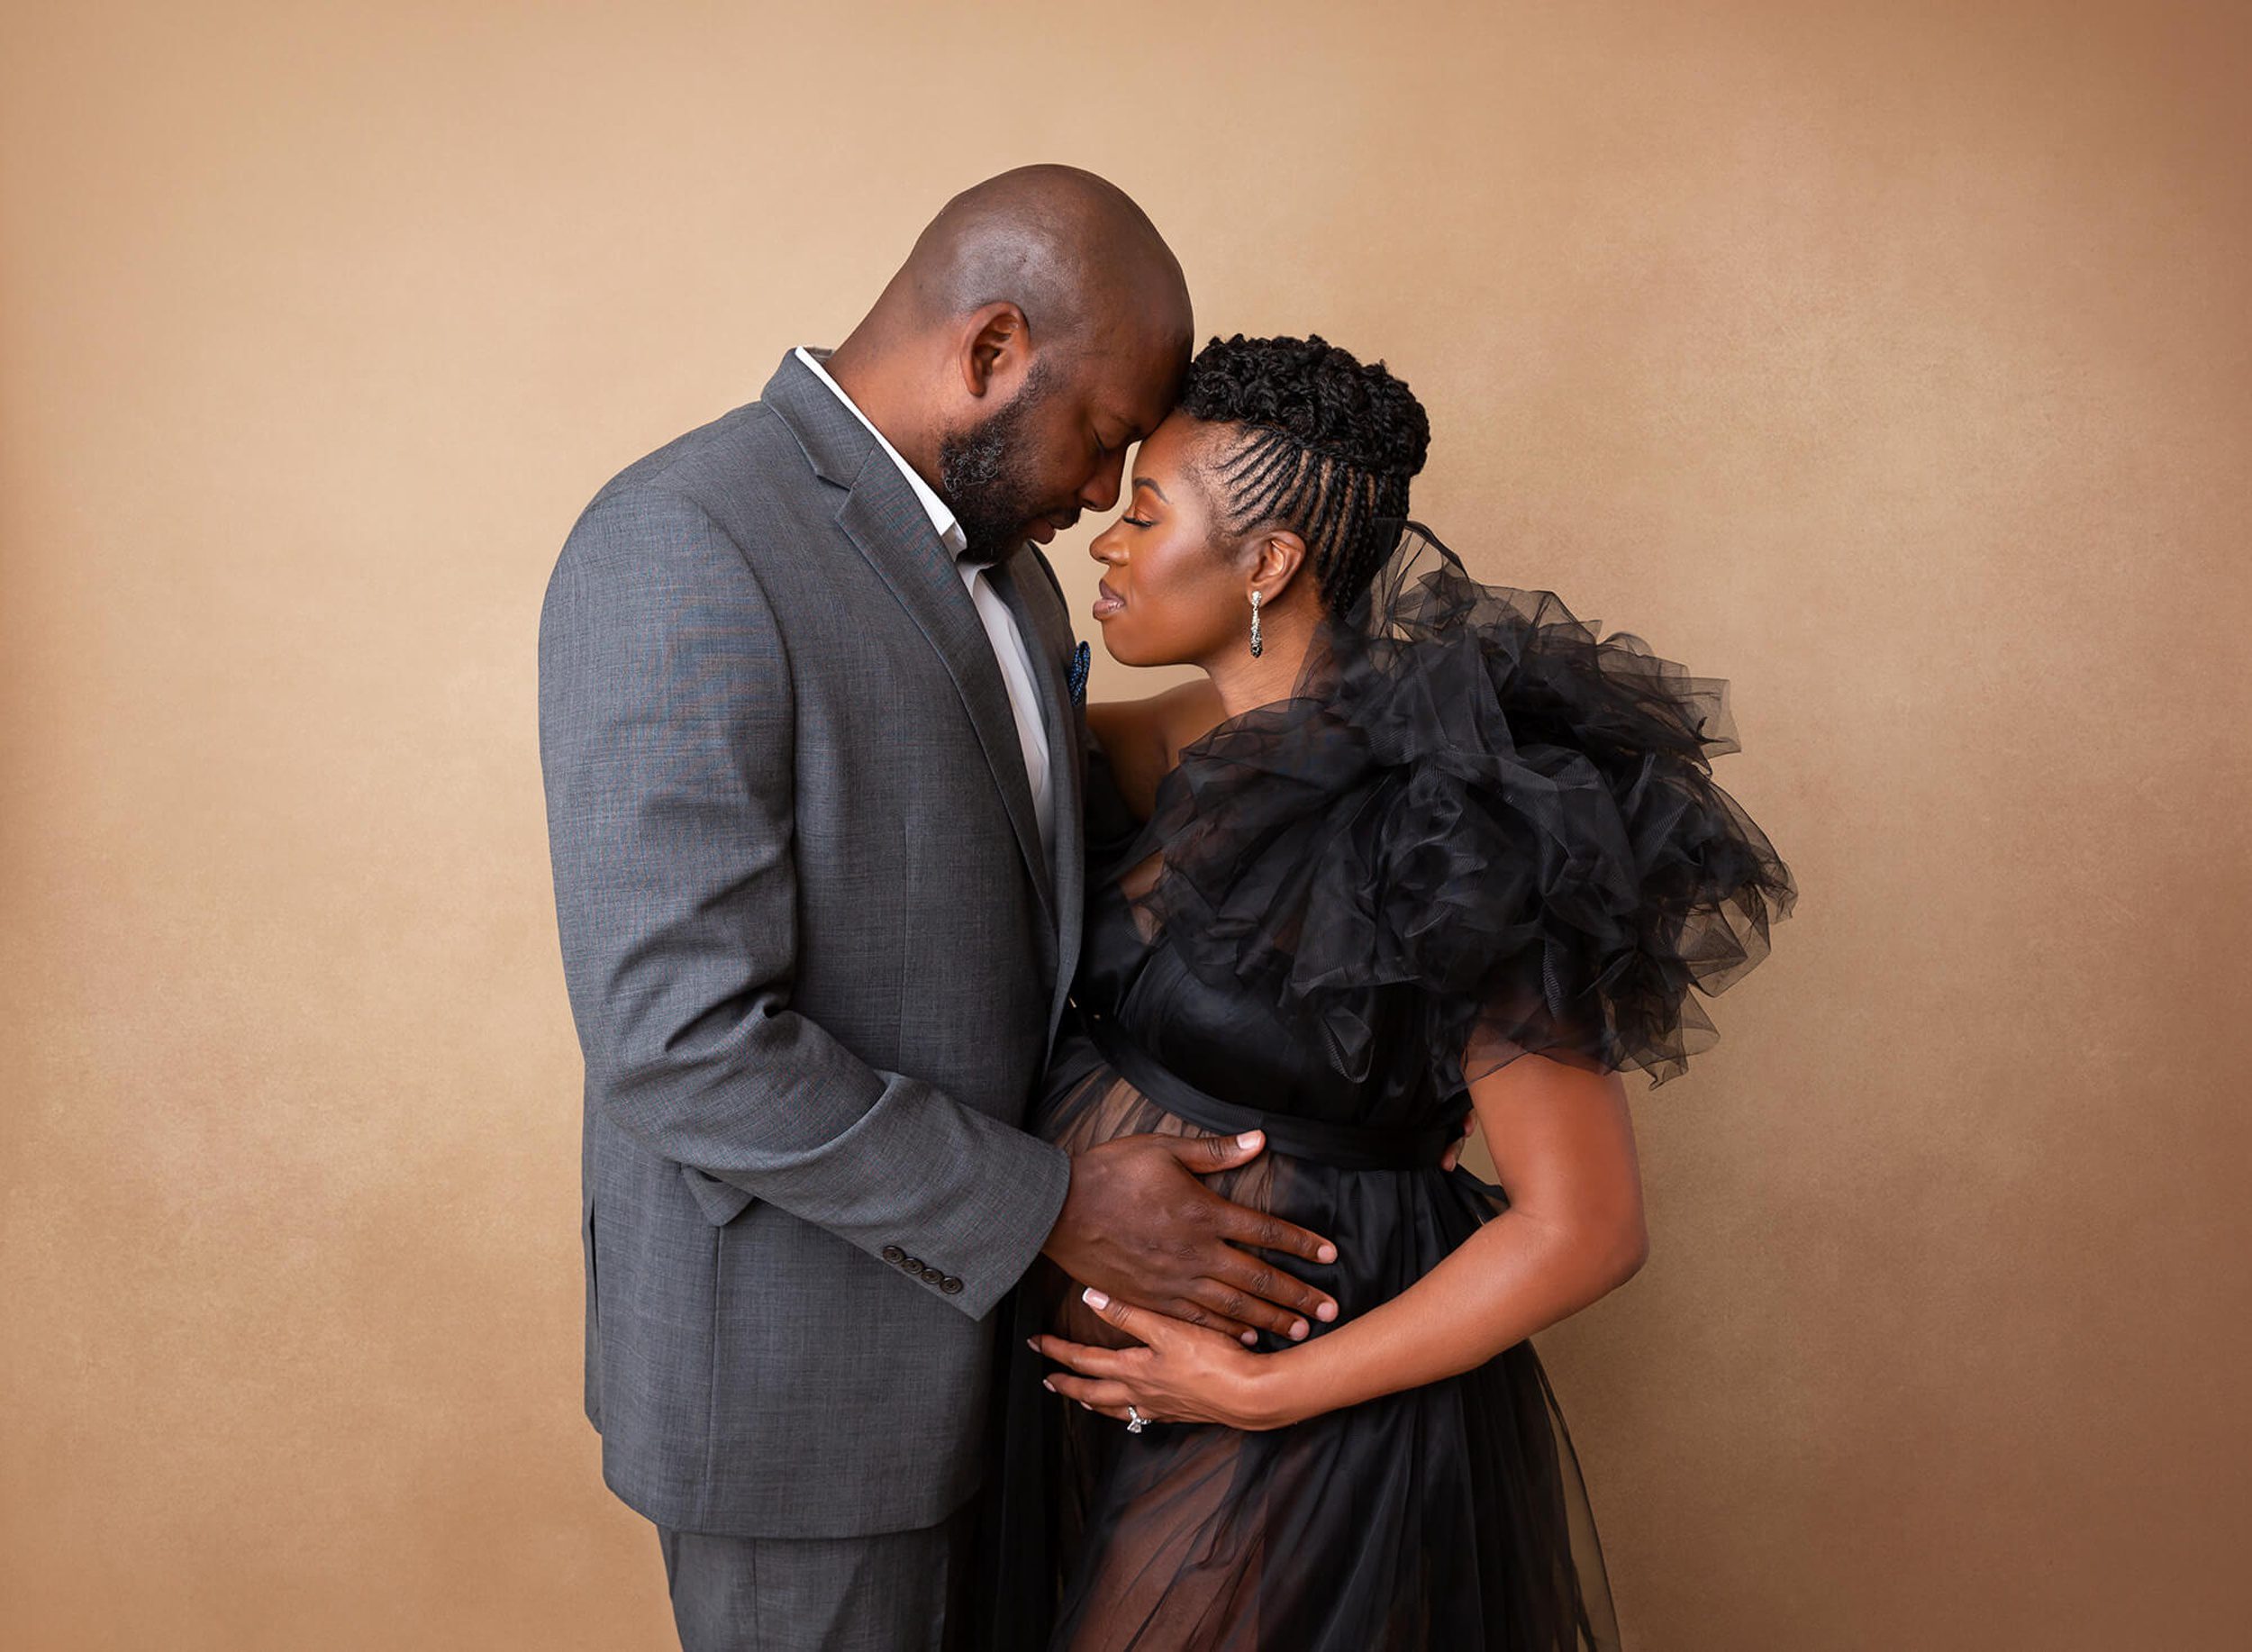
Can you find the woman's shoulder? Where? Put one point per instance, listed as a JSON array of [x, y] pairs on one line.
[[1485, 800], [1142, 740]]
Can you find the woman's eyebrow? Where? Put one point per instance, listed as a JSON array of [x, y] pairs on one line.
[[1152, 486]]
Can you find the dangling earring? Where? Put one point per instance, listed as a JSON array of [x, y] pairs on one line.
[[1257, 647]]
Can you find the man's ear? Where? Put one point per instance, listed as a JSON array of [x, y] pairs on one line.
[[996, 348], [1276, 556]]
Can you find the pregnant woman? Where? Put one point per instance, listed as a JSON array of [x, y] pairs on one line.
[[1415, 848]]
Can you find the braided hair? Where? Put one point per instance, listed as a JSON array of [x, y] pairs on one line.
[[1323, 446]]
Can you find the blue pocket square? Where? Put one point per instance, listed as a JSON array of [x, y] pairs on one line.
[[1078, 675]]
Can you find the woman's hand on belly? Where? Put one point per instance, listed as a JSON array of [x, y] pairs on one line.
[[1174, 1372]]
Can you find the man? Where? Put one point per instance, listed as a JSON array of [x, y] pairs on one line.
[[813, 766]]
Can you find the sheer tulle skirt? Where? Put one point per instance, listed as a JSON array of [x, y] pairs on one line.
[[1449, 1516]]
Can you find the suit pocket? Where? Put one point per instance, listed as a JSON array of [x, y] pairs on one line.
[[721, 1201]]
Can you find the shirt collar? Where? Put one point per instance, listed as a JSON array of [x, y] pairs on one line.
[[942, 518]]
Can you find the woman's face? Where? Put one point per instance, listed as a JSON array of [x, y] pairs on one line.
[[1172, 593]]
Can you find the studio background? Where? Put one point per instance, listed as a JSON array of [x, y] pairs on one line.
[[1890, 361]]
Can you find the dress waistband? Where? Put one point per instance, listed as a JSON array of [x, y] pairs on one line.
[[1344, 1147]]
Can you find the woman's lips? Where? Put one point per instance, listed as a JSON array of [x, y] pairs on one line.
[[1107, 602]]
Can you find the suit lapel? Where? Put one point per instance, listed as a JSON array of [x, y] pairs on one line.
[[888, 526], [886, 523], [1047, 630]]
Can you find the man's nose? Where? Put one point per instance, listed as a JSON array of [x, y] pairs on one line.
[[1101, 493]]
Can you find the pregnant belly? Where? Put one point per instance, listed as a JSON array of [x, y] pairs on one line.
[[1390, 1226], [1102, 1107]]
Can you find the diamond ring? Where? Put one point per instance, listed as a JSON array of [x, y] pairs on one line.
[[1135, 1420]]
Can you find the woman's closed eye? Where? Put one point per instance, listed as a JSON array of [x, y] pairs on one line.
[[1136, 522]]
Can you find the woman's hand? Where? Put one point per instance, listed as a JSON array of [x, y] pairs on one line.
[[1182, 1373]]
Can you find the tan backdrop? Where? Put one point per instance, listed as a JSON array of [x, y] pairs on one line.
[[1891, 362]]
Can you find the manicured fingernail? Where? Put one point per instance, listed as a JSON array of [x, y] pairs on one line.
[[1033, 1343], [1327, 1253], [1250, 1338], [1248, 1141], [1326, 1312], [1095, 1299], [1047, 1384], [1298, 1329]]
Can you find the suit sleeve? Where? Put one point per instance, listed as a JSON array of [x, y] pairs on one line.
[[666, 732]]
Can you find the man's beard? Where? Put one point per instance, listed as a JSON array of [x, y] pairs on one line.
[[984, 475]]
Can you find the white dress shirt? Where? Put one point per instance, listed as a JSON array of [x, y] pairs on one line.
[[1001, 627]]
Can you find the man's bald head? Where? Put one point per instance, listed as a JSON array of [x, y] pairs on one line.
[[1070, 249], [1040, 326]]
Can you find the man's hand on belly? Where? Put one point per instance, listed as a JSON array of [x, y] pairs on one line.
[[1138, 1226]]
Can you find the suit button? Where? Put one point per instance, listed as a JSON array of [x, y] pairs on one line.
[[951, 1285], [912, 1264], [892, 1253], [931, 1276]]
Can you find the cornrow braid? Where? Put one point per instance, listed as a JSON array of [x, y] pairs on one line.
[[1326, 447]]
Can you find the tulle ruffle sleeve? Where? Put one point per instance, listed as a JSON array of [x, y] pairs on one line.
[[1476, 815]]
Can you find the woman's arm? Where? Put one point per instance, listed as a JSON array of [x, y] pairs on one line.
[[1564, 1147]]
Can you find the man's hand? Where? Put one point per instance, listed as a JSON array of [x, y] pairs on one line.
[[1137, 1225]]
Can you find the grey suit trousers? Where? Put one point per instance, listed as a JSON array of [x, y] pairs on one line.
[[894, 1591]]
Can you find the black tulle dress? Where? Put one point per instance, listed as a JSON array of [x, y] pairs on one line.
[[1476, 830]]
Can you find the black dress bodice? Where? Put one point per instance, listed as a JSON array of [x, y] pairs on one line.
[[1223, 1041]]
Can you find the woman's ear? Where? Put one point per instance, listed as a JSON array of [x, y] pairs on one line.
[[1276, 556]]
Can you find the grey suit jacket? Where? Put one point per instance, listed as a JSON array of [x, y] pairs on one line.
[[815, 961]]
